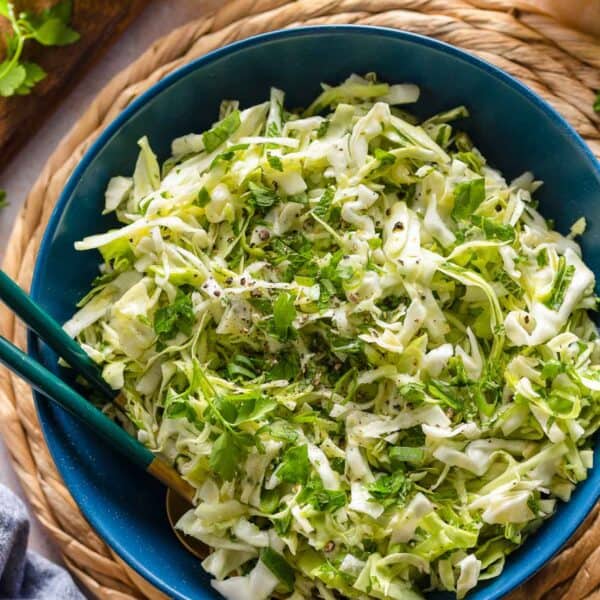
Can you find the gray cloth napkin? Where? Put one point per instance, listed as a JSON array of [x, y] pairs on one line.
[[26, 575]]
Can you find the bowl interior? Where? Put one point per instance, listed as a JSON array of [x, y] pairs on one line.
[[512, 127]]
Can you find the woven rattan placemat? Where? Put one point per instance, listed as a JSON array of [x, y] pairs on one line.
[[561, 65]]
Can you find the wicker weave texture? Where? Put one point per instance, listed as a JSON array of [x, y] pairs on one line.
[[563, 66]]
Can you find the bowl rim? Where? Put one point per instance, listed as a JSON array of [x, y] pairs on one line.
[[512, 580]]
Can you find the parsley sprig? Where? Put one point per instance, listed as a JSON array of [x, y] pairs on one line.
[[227, 413], [49, 28], [175, 317]]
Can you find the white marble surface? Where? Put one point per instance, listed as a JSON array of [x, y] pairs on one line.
[[160, 17]]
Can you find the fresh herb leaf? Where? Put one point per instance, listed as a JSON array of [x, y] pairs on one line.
[[552, 368], [493, 230], [227, 455], [240, 367], [413, 393], [533, 503], [597, 102], [413, 437], [228, 155], [279, 567], [284, 313], [338, 464], [176, 317], [318, 497], [223, 408], [61, 11], [344, 273], [295, 466], [332, 278], [282, 525], [275, 162], [214, 137], [254, 409], [326, 290], [297, 250], [11, 78], [33, 74], [203, 198], [49, 28], [3, 202], [467, 198], [262, 196], [55, 32], [385, 158], [396, 486], [181, 409], [324, 205], [287, 367], [300, 198], [323, 128]]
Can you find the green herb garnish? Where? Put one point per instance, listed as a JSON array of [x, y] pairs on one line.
[[50, 27]]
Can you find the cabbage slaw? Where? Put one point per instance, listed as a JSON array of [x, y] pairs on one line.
[[368, 352]]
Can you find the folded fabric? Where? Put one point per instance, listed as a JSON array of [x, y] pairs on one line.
[[23, 574]]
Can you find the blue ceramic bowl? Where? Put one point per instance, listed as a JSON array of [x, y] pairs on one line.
[[514, 128]]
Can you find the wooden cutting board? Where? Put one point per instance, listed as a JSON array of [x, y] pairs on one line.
[[99, 22]]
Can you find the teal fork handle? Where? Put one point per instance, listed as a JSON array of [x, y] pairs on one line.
[[60, 393], [52, 333]]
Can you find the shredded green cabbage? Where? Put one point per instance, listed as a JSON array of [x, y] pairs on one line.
[[367, 351]]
